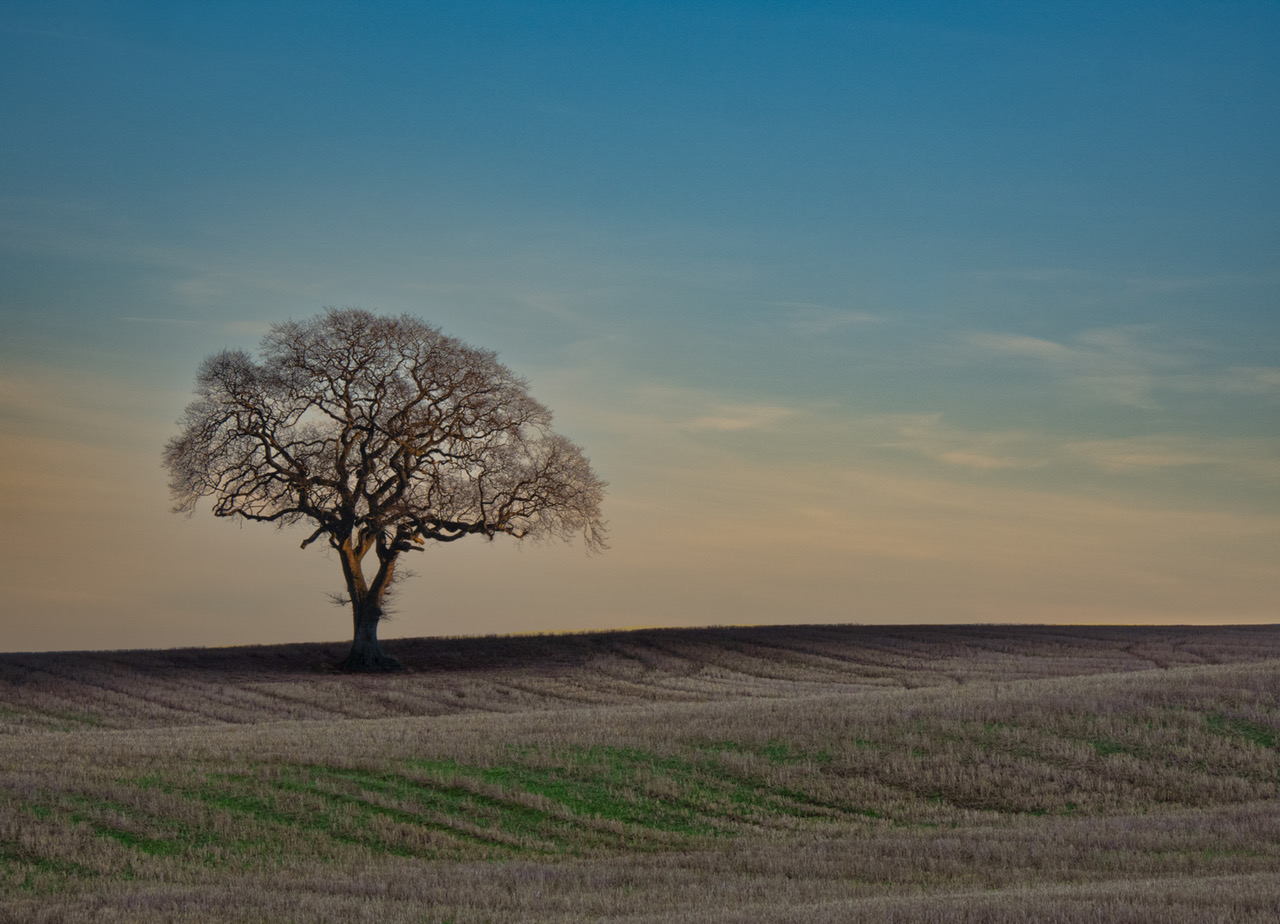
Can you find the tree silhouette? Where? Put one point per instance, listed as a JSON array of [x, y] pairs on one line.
[[383, 434]]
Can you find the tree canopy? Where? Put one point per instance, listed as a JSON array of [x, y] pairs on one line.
[[380, 434]]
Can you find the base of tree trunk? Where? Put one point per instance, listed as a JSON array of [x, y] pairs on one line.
[[367, 655], [371, 664]]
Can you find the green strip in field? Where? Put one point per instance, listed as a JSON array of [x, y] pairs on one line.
[[39, 873], [591, 784], [386, 812], [125, 820], [1259, 734], [532, 800], [295, 801], [647, 791], [1106, 748], [457, 811], [50, 719]]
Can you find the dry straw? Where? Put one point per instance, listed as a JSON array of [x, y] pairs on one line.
[[820, 773]]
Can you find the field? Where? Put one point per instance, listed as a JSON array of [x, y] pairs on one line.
[[803, 773]]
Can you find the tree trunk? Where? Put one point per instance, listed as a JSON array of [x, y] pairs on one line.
[[366, 651], [366, 607]]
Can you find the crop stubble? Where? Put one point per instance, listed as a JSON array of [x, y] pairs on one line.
[[766, 774]]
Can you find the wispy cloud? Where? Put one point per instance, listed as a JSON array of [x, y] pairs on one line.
[[1127, 366], [809, 319], [1141, 453], [690, 410], [1254, 458], [928, 436], [931, 437], [89, 410], [727, 417], [1021, 346], [1261, 381]]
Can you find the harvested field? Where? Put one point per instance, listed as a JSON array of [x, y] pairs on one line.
[[811, 773]]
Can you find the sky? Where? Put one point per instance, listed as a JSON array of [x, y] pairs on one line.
[[868, 312]]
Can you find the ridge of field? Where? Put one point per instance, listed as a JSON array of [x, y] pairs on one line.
[[774, 774], [201, 686]]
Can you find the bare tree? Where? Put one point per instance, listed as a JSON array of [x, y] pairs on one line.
[[382, 434]]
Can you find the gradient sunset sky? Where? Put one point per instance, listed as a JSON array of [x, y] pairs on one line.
[[868, 312]]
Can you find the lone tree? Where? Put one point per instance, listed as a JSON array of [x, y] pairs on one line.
[[383, 434]]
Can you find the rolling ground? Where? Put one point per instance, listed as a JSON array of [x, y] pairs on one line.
[[803, 773]]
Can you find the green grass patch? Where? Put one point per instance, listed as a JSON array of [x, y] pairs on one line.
[[445, 807], [340, 804], [1106, 748], [672, 794], [22, 871], [1261, 735], [260, 799], [89, 812], [600, 783]]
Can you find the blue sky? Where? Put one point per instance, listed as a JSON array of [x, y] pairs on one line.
[[868, 312]]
